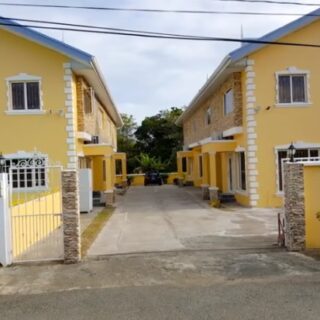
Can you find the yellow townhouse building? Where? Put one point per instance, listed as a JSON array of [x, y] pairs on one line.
[[56, 107], [259, 100]]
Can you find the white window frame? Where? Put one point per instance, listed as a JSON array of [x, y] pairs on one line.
[[293, 71], [309, 158], [23, 78], [28, 155], [225, 111]]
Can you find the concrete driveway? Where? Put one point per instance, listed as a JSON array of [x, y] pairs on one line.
[[165, 218]]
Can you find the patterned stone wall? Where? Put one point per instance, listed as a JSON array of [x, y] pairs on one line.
[[71, 216], [195, 128], [294, 206], [97, 123]]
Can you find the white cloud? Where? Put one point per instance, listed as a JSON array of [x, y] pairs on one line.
[[147, 75]]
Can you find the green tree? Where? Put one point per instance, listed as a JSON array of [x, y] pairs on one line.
[[147, 163], [127, 140], [160, 138]]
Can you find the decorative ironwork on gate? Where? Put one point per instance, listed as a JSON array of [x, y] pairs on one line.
[[35, 202]]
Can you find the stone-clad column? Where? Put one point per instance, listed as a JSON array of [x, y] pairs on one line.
[[71, 216], [294, 206]]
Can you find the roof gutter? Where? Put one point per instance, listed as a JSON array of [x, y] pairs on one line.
[[216, 74]]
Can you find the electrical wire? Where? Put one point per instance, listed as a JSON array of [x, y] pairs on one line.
[[168, 36], [56, 6]]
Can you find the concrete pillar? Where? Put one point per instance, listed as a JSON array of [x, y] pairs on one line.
[[179, 165], [205, 192], [124, 169], [205, 173], [294, 206], [213, 193], [71, 216], [212, 169], [110, 173]]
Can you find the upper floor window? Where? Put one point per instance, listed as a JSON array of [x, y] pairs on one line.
[[87, 100], [228, 102], [24, 93], [208, 116], [292, 88]]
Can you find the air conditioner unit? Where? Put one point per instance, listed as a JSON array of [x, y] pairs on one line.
[[95, 140]]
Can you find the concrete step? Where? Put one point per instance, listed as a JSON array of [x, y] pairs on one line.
[[227, 198]]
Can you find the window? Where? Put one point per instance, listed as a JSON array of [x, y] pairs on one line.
[[118, 167], [303, 154], [26, 174], [184, 164], [87, 100], [292, 89], [104, 171], [228, 102], [200, 167], [208, 116], [242, 171], [25, 95]]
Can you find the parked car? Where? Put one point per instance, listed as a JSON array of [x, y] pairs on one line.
[[152, 177]]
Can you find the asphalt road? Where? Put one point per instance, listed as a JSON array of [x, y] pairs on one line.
[[214, 284], [294, 299]]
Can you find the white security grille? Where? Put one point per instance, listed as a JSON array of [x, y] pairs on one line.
[[36, 210]]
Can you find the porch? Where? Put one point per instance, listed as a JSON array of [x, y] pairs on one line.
[[109, 169], [217, 167]]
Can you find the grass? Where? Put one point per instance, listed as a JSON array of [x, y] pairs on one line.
[[92, 231]]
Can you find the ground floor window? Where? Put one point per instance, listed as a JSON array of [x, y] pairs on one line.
[[184, 164], [200, 167], [301, 154], [28, 173], [242, 171], [118, 167]]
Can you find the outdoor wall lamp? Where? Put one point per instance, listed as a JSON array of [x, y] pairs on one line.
[[291, 152], [2, 163]]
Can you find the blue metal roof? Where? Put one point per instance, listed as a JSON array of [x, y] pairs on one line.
[[275, 35], [76, 54]]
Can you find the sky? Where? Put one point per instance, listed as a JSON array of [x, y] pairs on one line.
[[145, 76]]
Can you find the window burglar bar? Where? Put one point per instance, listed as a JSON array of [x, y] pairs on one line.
[[27, 174], [295, 160]]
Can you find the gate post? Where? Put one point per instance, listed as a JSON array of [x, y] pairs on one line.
[[294, 206], [71, 216], [5, 222]]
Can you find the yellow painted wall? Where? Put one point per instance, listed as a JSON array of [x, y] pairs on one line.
[[137, 179], [34, 220], [312, 205], [279, 126], [46, 133], [172, 176]]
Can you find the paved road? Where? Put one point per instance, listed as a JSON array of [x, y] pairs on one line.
[[165, 218], [214, 284]]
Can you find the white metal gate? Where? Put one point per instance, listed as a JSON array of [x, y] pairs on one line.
[[35, 203]]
